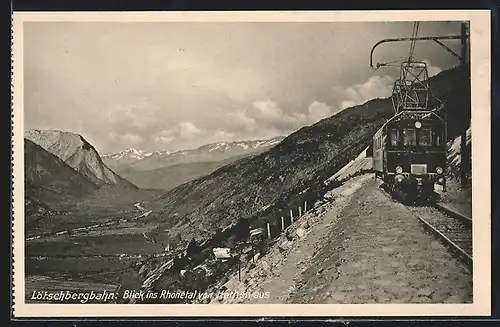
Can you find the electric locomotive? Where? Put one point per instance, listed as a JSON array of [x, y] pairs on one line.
[[409, 154]]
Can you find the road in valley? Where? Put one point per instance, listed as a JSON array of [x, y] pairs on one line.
[[144, 214]]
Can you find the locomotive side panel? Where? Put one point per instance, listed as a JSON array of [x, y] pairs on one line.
[[378, 153]]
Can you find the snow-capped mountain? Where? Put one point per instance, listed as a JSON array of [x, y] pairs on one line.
[[131, 153], [124, 157], [245, 145], [139, 160]]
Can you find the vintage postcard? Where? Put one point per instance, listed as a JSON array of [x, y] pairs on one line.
[[251, 163]]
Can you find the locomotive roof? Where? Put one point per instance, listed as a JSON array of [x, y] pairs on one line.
[[410, 115]]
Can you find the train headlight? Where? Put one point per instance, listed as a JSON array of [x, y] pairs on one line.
[[418, 124], [439, 170], [399, 169], [399, 178]]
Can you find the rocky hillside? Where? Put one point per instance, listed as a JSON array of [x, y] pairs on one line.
[[79, 154], [206, 153], [266, 186], [49, 179]]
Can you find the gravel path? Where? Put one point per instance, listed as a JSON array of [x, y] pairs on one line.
[[360, 247], [378, 252]]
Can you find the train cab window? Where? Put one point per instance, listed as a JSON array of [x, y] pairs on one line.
[[425, 137], [409, 136], [394, 136]]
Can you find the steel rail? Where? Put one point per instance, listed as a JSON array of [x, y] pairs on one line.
[[453, 213], [446, 239]]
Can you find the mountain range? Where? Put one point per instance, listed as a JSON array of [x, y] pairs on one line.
[[134, 160], [165, 169], [125, 157]]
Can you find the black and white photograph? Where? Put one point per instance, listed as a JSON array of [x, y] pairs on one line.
[[250, 162]]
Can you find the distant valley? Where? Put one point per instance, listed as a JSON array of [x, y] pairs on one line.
[[165, 170]]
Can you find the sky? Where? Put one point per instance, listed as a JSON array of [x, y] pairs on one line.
[[179, 85]]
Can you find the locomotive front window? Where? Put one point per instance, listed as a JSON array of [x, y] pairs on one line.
[[394, 136], [425, 137], [409, 136]]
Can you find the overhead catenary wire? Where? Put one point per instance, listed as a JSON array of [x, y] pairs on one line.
[[414, 41], [411, 53]]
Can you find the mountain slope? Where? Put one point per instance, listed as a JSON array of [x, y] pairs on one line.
[[79, 154], [206, 153], [35, 208], [268, 185], [49, 179], [167, 178]]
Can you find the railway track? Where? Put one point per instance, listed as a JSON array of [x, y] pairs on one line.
[[453, 228]]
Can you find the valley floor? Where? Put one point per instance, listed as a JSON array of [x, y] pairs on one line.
[[359, 247]]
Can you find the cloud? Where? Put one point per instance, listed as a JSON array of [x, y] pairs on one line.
[[187, 135], [266, 118], [318, 110], [432, 70], [267, 110], [128, 138], [189, 130], [223, 135], [182, 131], [374, 87], [140, 115], [163, 137]]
